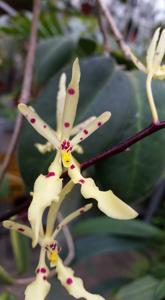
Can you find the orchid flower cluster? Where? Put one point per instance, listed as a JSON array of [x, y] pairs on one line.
[[153, 68], [49, 192]]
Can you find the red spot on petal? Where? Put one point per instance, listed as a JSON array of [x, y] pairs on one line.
[[45, 278], [99, 124], [67, 124], [50, 174], [81, 139], [69, 281], [43, 270], [32, 120], [21, 229], [85, 131], [71, 91], [44, 126], [82, 181], [72, 167], [38, 271]]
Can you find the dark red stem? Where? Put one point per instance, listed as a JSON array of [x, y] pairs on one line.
[[113, 151], [125, 144]]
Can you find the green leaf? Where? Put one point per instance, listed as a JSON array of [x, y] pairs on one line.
[[93, 245], [132, 174], [53, 54], [160, 290], [5, 277], [20, 245], [104, 225], [140, 289], [4, 188], [7, 296]]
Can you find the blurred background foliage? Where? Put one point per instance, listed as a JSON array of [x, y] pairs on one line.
[[120, 259]]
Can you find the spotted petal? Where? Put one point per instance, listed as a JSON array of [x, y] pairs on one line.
[[46, 190], [60, 103], [73, 285], [71, 101], [39, 125], [160, 51], [82, 125], [108, 203], [152, 49], [23, 229], [40, 287], [90, 128], [71, 217]]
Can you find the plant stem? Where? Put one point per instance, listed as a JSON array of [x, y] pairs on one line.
[[26, 87], [125, 144], [110, 152]]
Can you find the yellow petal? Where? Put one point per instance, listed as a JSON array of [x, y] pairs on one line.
[[82, 125], [39, 125], [54, 208], [71, 217], [44, 148], [71, 101], [90, 128], [46, 190], [108, 203], [152, 49], [23, 229], [73, 285], [38, 289], [60, 103], [66, 158], [160, 50]]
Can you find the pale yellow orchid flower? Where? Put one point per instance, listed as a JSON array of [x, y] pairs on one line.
[[61, 95], [40, 287], [153, 68], [107, 201]]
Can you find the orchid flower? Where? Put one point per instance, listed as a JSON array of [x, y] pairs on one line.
[[153, 68], [107, 201], [50, 248]]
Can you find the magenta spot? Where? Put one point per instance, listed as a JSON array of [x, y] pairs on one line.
[[67, 124], [99, 124], [71, 91], [50, 174], [69, 281], [21, 229], [72, 167], [43, 270], [38, 271], [32, 120], [81, 139], [44, 126], [85, 131], [45, 278], [82, 181]]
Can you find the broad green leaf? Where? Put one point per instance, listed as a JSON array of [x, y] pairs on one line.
[[20, 246], [104, 225], [98, 245], [140, 289], [160, 290], [53, 54], [5, 277], [132, 174]]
